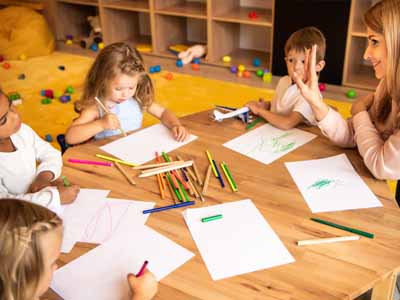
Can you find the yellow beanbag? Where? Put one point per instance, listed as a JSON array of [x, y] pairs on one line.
[[24, 32]]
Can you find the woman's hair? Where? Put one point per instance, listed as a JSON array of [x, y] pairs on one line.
[[21, 252], [113, 60], [384, 18]]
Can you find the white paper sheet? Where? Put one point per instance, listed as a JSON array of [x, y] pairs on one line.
[[267, 143], [241, 242], [76, 215], [140, 147], [331, 184], [101, 273], [105, 222]]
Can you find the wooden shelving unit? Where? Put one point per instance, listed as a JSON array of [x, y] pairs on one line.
[[356, 71], [224, 26]]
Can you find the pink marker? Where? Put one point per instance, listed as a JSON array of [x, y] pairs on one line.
[[140, 273], [89, 162]]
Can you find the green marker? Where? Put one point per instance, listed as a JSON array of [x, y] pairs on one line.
[[254, 123], [211, 218], [356, 231], [65, 180]]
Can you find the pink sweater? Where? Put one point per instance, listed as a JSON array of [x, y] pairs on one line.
[[377, 142]]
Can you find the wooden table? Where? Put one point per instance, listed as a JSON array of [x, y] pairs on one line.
[[321, 272]]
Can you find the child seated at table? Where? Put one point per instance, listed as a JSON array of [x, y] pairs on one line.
[[288, 108]]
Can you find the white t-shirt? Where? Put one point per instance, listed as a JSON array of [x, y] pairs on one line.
[[19, 169], [288, 98]]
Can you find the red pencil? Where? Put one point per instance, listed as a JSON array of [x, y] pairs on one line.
[[140, 273]]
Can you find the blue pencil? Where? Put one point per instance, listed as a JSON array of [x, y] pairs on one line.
[[182, 204], [221, 181]]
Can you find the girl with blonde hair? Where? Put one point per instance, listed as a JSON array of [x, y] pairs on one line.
[[118, 79]]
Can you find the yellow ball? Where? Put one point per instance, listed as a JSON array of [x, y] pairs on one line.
[[226, 59], [100, 45], [68, 42], [241, 68], [22, 57]]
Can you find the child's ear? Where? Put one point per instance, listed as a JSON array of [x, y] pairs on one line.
[[320, 66]]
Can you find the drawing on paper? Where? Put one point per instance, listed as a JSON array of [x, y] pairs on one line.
[[277, 144], [324, 184]]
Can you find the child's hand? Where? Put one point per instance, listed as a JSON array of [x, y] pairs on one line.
[[41, 181], [180, 133], [265, 104], [110, 122], [255, 107], [143, 287], [68, 193]]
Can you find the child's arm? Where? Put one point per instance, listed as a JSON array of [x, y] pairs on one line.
[[143, 287], [283, 122], [88, 124], [169, 120]]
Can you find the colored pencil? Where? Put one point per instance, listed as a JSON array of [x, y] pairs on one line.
[[254, 123], [206, 180], [108, 112], [150, 166], [196, 171], [162, 208], [356, 231], [65, 181], [221, 181], [89, 162], [155, 171], [172, 191], [230, 175], [211, 218], [116, 160], [160, 186], [141, 271], [119, 167], [328, 240], [211, 163], [234, 189]]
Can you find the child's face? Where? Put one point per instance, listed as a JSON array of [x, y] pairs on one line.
[[10, 121], [51, 245], [122, 88], [295, 63], [376, 52]]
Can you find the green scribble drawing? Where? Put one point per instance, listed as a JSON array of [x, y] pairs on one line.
[[274, 145], [321, 184]]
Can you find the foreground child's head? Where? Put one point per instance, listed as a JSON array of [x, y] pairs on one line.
[[118, 74], [30, 244], [295, 50], [10, 121]]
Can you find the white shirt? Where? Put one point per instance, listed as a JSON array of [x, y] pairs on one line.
[[19, 169], [288, 98]]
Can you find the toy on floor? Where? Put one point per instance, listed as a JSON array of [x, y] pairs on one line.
[[46, 101], [246, 74], [95, 36], [260, 73], [179, 63], [196, 61], [21, 76], [169, 76], [226, 59], [234, 69], [1, 58], [48, 138], [176, 49], [61, 68], [65, 98], [155, 69], [47, 93], [195, 67], [188, 55], [6, 66], [256, 62], [22, 57], [351, 94], [15, 98], [322, 86], [69, 90]]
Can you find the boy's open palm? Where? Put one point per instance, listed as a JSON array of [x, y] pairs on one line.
[[309, 87]]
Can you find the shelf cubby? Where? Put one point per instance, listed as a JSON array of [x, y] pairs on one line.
[[192, 9], [120, 25], [132, 5], [171, 30]]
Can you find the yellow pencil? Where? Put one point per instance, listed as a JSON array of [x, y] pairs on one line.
[[116, 160], [211, 163]]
